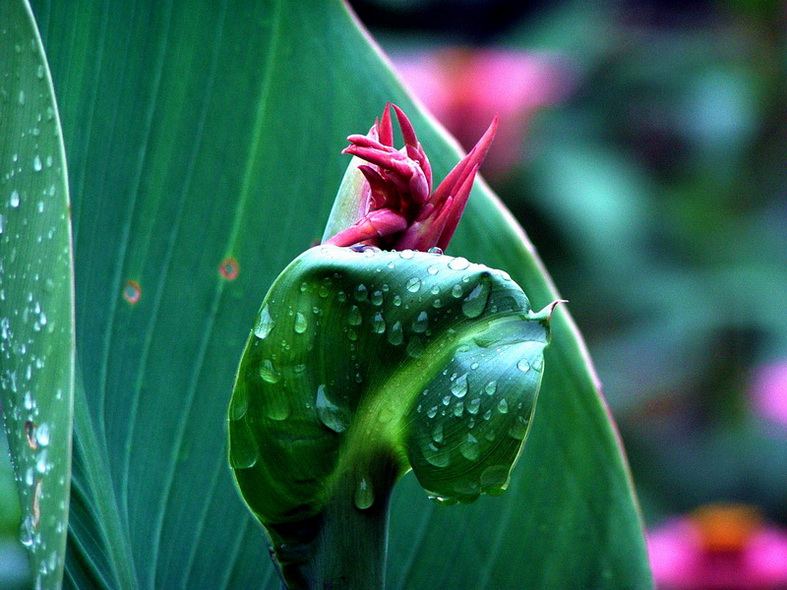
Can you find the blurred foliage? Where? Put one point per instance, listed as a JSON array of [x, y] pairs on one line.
[[655, 190]]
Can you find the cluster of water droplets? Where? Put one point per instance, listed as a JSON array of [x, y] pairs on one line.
[[359, 317], [34, 271]]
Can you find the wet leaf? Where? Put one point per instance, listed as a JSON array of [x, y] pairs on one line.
[[423, 357], [199, 134], [36, 286]]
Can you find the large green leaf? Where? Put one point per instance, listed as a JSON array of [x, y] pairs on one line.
[[203, 140], [36, 293]]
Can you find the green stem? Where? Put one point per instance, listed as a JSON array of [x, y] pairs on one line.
[[344, 546]]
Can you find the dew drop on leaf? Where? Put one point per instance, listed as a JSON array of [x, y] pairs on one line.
[[361, 293], [15, 199], [413, 285], [395, 334], [523, 365], [519, 429], [470, 448], [475, 303], [354, 317], [437, 433], [502, 407], [420, 323], [378, 323], [459, 386], [300, 323], [268, 372], [331, 415], [364, 495], [264, 324], [42, 434], [436, 456]]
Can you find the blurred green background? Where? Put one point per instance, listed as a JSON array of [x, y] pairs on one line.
[[643, 147]]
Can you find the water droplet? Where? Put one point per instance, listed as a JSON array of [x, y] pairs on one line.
[[354, 317], [519, 429], [244, 452], [436, 456], [442, 501], [433, 269], [132, 292], [437, 433], [487, 414], [28, 401], [300, 323], [437, 303], [41, 461], [229, 269], [475, 303], [502, 407], [42, 434], [406, 254], [361, 293], [268, 372], [490, 388], [397, 301], [459, 387], [37, 165], [494, 479], [538, 364], [432, 412], [413, 285], [459, 409], [378, 323], [364, 495], [15, 199], [264, 323], [458, 263], [470, 448], [421, 323], [523, 365], [473, 405], [415, 348], [27, 531], [40, 72], [457, 291], [331, 415], [395, 334], [239, 404]]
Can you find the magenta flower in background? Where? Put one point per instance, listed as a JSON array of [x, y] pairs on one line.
[[465, 88], [719, 547], [399, 209], [769, 393]]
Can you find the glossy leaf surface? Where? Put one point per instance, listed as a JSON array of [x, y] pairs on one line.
[[203, 144], [422, 357], [36, 286]]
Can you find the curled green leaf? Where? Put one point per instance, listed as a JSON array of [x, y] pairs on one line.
[[365, 364]]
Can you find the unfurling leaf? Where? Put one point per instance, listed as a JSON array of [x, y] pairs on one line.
[[370, 361]]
